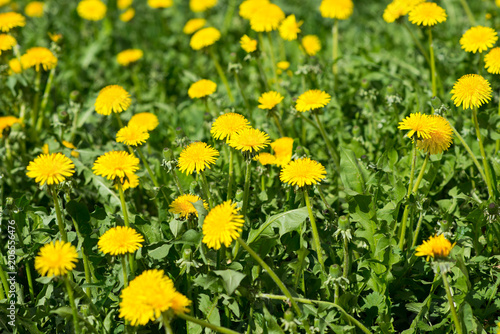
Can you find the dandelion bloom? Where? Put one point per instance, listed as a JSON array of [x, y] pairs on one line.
[[116, 164], [312, 99], [123, 4], [120, 240], [492, 61], [15, 65], [160, 3], [440, 138], [269, 100], [336, 9], [183, 205], [201, 5], [4, 2], [7, 122], [249, 140], [7, 42], [34, 9], [11, 20], [148, 296], [265, 158], [39, 56], [50, 168], [248, 44], [311, 44], [145, 119], [289, 28], [302, 172], [222, 225], [193, 25], [54, 37], [227, 125], [92, 10], [132, 135], [420, 124], [127, 15], [112, 98], [471, 91], [478, 39], [45, 148], [283, 65], [130, 180], [67, 144], [204, 37], [197, 156], [427, 14], [398, 8], [249, 7], [437, 247], [56, 259], [129, 56], [202, 88], [267, 18], [283, 149]]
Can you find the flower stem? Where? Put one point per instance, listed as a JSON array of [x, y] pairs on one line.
[[204, 185], [317, 241], [421, 174], [278, 124], [433, 64], [124, 270], [450, 301], [468, 12], [177, 182], [246, 189], [72, 304], [483, 154], [45, 99], [86, 264], [417, 42], [497, 147], [60, 221], [124, 205], [333, 154], [119, 120], [273, 60], [34, 116], [221, 75], [3, 278], [231, 174], [206, 324], [335, 49], [417, 230], [166, 325], [146, 164], [410, 187]]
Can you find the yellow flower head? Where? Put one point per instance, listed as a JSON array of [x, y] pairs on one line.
[[201, 5], [116, 164], [50, 168], [427, 14], [193, 25], [146, 120], [336, 9], [266, 18], [440, 138], [302, 172], [56, 259], [4, 2], [132, 135], [197, 156], [227, 125], [420, 124], [67, 144], [112, 98], [289, 28], [7, 42], [311, 44], [265, 158], [92, 10], [123, 4], [283, 65], [7, 122], [15, 65], [54, 37], [11, 20], [129, 56], [249, 7], [437, 247], [39, 56], [312, 99], [183, 205], [202, 88], [248, 44], [478, 39], [160, 3], [204, 37], [398, 8], [127, 15], [222, 225], [283, 150], [34, 9], [269, 100], [120, 240], [249, 140], [492, 61], [180, 303], [471, 91], [130, 180]]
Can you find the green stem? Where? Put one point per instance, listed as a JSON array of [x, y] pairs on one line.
[[221, 75], [314, 228], [483, 154], [45, 99], [60, 221], [497, 147], [229, 15], [421, 174], [146, 164], [206, 324], [119, 120], [86, 264], [273, 60], [177, 182], [34, 116], [246, 188], [345, 272], [410, 188], [468, 12], [124, 270], [450, 301], [231, 174], [73, 305], [166, 325], [204, 185], [417, 42], [278, 124], [124, 205], [335, 36], [333, 153], [4, 284], [433, 65], [417, 230]]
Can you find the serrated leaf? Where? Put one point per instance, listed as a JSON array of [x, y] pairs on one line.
[[351, 173]]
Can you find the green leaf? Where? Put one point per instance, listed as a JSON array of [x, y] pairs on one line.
[[351, 174], [286, 222], [80, 213], [231, 278], [160, 252]]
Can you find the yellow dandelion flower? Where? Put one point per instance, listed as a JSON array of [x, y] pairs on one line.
[[123, 4], [427, 14], [183, 205], [311, 44], [120, 240], [437, 247], [75, 154], [112, 98], [50, 168], [34, 9], [116, 164], [497, 2], [7, 122], [7, 42], [54, 37], [129, 56], [312, 99], [201, 5], [92, 10], [145, 119], [267, 18], [227, 125], [4, 2], [440, 138], [132, 135], [130, 180], [15, 65], [336, 9], [249, 140], [265, 158], [269, 100], [249, 7], [248, 44], [56, 259], [202, 88], [11, 20], [478, 39], [289, 28], [283, 65], [283, 150], [193, 26], [302, 172], [222, 225], [45, 148], [204, 37], [67, 144], [127, 15], [399, 8], [180, 303], [39, 56], [420, 124], [492, 61], [471, 91], [197, 156], [160, 3]]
